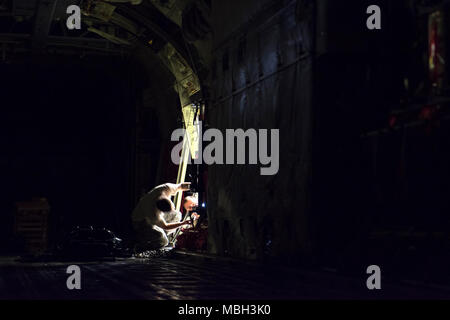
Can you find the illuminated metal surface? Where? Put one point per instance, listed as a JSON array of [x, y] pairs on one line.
[[190, 145], [182, 171], [192, 128]]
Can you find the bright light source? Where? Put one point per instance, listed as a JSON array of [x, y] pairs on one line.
[[203, 205]]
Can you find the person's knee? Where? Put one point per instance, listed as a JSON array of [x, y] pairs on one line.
[[164, 242]]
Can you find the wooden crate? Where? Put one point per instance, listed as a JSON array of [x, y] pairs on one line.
[[31, 224]]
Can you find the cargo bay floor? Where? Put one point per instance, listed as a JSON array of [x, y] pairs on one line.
[[188, 276]]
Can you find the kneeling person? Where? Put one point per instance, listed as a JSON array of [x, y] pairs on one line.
[[155, 217]]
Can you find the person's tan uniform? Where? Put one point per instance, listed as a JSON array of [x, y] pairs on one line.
[[151, 224]]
